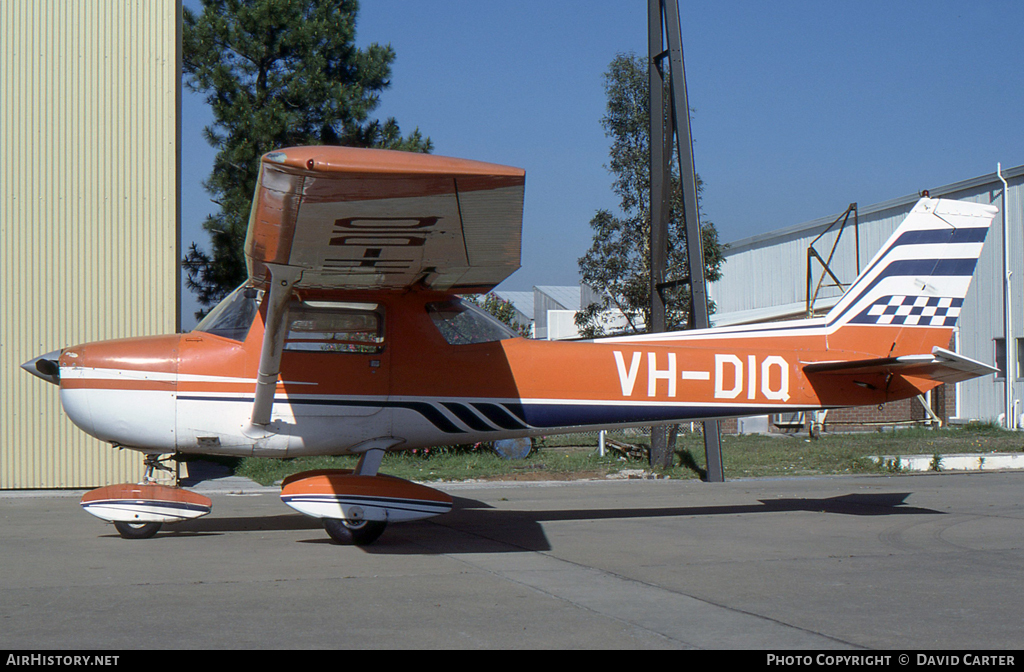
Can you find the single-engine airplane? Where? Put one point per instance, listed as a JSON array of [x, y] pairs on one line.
[[350, 337]]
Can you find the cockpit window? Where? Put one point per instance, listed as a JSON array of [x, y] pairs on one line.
[[233, 316], [329, 326], [461, 323]]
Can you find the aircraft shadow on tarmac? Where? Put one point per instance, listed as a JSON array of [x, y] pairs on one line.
[[476, 527]]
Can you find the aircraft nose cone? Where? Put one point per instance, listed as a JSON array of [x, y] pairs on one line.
[[45, 367]]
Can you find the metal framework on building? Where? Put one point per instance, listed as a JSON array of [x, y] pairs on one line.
[[826, 265]]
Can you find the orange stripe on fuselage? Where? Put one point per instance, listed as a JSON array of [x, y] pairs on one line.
[[100, 384]]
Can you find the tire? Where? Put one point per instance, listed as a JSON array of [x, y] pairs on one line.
[[137, 530], [362, 533]]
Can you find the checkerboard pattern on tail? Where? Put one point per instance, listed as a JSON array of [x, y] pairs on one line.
[[930, 311]]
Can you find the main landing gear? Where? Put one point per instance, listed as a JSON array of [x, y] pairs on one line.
[[356, 506], [358, 533], [137, 530]]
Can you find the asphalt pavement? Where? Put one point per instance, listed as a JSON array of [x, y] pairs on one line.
[[896, 563]]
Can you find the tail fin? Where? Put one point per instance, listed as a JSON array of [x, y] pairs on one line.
[[921, 275]]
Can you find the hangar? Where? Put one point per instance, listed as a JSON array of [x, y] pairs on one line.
[[774, 276], [89, 244]]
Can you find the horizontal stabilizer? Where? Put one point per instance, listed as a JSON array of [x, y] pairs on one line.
[[941, 366]]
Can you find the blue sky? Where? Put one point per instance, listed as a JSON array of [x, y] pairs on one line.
[[800, 108]]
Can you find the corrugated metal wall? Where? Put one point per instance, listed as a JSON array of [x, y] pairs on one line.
[[89, 98], [771, 270]]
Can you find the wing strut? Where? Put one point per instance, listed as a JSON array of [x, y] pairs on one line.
[[282, 279]]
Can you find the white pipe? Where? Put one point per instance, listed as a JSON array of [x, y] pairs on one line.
[[956, 386], [1009, 343]]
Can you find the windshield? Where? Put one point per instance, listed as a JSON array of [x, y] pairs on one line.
[[461, 323], [234, 315]]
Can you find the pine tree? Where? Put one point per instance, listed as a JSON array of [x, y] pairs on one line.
[[617, 265], [276, 73]]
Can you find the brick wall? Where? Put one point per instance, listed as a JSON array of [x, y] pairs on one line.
[[868, 418]]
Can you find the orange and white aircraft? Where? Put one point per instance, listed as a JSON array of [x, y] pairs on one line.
[[349, 337]]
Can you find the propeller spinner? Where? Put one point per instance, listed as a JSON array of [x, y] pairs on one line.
[[45, 367]]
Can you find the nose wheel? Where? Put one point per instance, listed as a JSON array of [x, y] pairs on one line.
[[139, 510], [130, 530]]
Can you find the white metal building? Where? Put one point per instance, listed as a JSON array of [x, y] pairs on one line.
[[765, 279], [550, 310]]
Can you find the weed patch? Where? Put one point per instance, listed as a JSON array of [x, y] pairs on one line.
[[576, 456]]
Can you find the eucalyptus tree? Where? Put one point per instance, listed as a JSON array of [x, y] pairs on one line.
[[617, 265]]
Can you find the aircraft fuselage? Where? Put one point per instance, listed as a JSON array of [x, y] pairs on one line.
[[414, 382]]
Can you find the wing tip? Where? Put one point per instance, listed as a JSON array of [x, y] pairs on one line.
[[336, 159]]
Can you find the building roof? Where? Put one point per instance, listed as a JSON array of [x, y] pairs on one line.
[[521, 301], [567, 297], [797, 230]]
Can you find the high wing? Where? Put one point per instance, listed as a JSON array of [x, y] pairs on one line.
[[347, 218], [942, 366], [344, 218]]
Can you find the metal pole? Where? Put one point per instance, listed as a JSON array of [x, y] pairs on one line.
[[660, 174], [699, 316], [660, 185], [1009, 347], [687, 175]]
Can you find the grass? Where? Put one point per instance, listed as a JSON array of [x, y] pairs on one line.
[[543, 464], [575, 456]]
